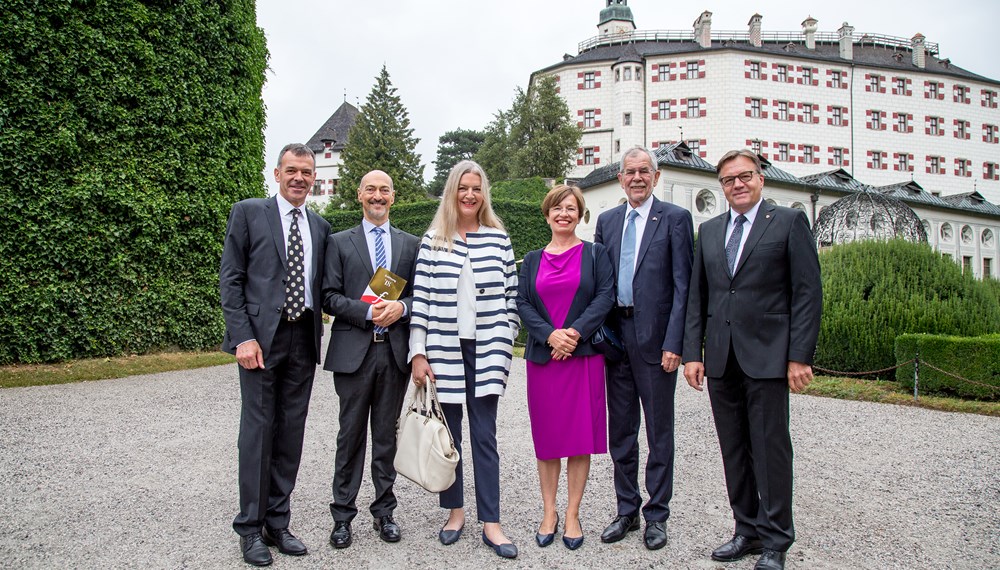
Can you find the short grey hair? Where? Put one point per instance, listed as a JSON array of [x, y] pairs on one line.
[[297, 149], [635, 151]]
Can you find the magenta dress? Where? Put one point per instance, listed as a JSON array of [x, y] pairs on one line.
[[566, 400]]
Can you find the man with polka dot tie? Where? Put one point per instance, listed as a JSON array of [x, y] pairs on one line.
[[269, 281]]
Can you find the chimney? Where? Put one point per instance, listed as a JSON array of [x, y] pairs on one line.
[[809, 31], [919, 55], [755, 30], [846, 41], [703, 29]]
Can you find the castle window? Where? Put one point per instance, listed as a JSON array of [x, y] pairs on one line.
[[693, 108], [838, 156], [754, 70], [588, 118], [588, 155], [627, 74], [755, 108], [588, 80], [626, 119], [903, 162], [808, 155], [782, 111], [782, 71], [807, 75], [664, 110], [837, 79], [807, 113], [783, 152], [663, 72], [838, 116]]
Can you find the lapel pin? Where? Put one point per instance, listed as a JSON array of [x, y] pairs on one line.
[[767, 216], [654, 218]]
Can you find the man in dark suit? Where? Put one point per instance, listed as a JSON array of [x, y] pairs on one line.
[[650, 243], [755, 301], [367, 355], [269, 281]]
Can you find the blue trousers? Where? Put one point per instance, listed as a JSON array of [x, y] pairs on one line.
[[483, 432]]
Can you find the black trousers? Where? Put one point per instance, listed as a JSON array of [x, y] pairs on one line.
[[373, 393], [752, 419], [635, 389], [272, 424]]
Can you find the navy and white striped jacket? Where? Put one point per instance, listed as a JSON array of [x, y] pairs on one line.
[[434, 315]]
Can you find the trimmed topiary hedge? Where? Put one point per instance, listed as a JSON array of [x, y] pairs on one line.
[[127, 131], [972, 358], [875, 291], [523, 220]]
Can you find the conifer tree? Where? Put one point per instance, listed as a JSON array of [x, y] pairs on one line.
[[382, 139]]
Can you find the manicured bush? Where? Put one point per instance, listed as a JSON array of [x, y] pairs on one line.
[[875, 291], [127, 131], [521, 190], [523, 220], [973, 358]]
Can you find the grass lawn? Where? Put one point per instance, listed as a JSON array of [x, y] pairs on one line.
[[103, 368]]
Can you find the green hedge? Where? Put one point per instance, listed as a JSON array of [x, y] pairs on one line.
[[973, 358], [524, 221], [127, 131], [875, 291]]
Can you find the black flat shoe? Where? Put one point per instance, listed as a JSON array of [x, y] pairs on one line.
[[572, 543], [544, 540], [450, 536], [506, 550]]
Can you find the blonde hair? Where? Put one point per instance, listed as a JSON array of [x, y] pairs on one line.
[[445, 222]]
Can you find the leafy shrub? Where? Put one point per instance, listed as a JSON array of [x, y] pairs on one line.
[[523, 220], [973, 358], [875, 291], [127, 131]]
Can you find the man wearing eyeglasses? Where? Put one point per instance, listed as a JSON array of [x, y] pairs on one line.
[[367, 355], [755, 301], [650, 242]]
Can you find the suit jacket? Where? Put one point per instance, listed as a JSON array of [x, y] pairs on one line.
[[253, 273], [591, 303], [348, 271], [662, 273], [769, 309]]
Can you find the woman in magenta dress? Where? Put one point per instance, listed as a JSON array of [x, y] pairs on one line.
[[564, 292]]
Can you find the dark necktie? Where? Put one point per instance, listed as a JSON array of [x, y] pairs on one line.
[[295, 286], [626, 264], [733, 246], [379, 261]]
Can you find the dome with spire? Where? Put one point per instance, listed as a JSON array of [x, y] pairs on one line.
[[616, 10], [867, 215]]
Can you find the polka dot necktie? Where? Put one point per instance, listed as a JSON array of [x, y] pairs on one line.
[[295, 287]]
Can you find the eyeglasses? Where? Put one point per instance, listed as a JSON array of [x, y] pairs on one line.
[[745, 176], [370, 191]]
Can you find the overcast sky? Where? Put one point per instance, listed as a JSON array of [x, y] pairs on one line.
[[456, 62]]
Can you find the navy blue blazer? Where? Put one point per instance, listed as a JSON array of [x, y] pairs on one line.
[[591, 304], [662, 273]]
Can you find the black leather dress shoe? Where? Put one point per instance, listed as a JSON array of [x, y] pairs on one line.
[[450, 536], [284, 540], [655, 536], [341, 535], [387, 529], [254, 550], [619, 527], [770, 560], [737, 548]]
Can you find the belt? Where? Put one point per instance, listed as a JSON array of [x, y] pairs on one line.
[[379, 337], [305, 314], [625, 312]]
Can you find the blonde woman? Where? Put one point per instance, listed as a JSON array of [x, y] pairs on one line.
[[462, 332]]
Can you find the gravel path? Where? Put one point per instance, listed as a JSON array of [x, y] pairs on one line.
[[141, 473]]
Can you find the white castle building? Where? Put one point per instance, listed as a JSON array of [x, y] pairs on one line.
[[829, 112]]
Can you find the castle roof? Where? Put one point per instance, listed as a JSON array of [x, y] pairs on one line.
[[335, 129]]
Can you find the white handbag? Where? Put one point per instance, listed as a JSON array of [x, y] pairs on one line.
[[425, 450]]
